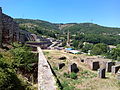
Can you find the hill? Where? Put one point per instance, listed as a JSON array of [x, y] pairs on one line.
[[85, 32], [38, 27], [72, 27], [90, 28], [42, 24]]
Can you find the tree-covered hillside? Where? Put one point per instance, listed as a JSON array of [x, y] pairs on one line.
[[72, 27], [38, 26], [40, 23], [91, 28], [85, 32]]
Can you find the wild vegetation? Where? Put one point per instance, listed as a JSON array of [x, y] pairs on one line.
[[38, 27], [14, 64]]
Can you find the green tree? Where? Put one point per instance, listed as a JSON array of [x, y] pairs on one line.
[[114, 54], [99, 49], [118, 46], [77, 44], [87, 47], [23, 57]]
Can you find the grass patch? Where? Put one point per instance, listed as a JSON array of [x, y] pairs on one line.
[[46, 53], [87, 74], [119, 83], [55, 68], [67, 86], [71, 75]]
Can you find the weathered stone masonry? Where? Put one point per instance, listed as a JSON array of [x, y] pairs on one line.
[[1, 26], [9, 29]]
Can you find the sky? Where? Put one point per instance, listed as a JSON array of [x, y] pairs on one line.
[[102, 12]]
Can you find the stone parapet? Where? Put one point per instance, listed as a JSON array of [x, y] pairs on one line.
[[46, 80]]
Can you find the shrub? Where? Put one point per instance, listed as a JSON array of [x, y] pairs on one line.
[[8, 80], [55, 68], [10, 62], [8, 77], [66, 75], [84, 72], [73, 75], [1, 56], [46, 53], [23, 57], [66, 86]]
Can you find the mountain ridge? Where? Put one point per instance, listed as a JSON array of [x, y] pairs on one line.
[[72, 27]]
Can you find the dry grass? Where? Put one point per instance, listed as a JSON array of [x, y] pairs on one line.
[[87, 79]]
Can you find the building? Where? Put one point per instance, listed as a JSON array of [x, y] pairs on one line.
[[70, 50]]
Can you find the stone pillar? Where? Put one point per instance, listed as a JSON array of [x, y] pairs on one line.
[[101, 73], [109, 66], [1, 27], [73, 68], [118, 75], [115, 69]]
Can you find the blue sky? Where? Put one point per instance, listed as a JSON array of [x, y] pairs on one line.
[[103, 12]]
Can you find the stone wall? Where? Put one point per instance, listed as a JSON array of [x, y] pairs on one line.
[[1, 27], [9, 29], [46, 79]]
